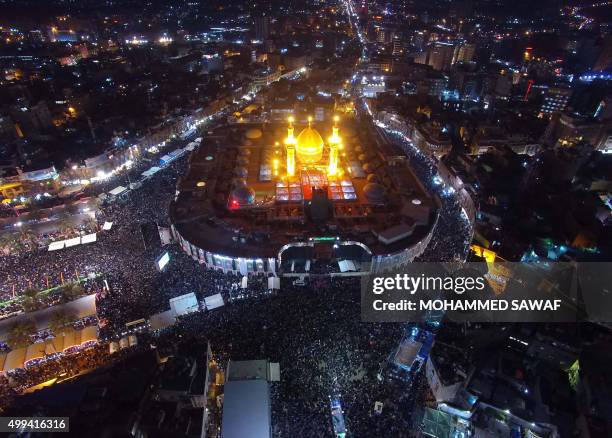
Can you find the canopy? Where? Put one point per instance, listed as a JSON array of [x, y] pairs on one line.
[[162, 320], [89, 334], [89, 238], [54, 246], [214, 301], [73, 242], [184, 304], [14, 359], [347, 266], [117, 190], [152, 171], [49, 348], [107, 226], [33, 352], [133, 340], [273, 283], [70, 340]]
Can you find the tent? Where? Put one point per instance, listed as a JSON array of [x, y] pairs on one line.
[[49, 348], [184, 304], [89, 335], [107, 226], [133, 340], [117, 191], [273, 283], [378, 407], [14, 359], [162, 320], [33, 352], [152, 171], [72, 242], [70, 340], [274, 368], [54, 246], [214, 301], [347, 266], [89, 238]]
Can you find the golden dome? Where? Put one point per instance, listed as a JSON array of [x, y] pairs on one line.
[[309, 146]]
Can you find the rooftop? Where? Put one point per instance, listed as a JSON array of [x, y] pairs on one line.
[[276, 209]]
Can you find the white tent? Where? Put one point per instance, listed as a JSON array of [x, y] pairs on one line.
[[162, 320], [378, 407], [107, 226], [274, 368], [273, 283], [117, 191], [347, 266], [184, 304], [73, 242], [152, 171], [89, 238], [214, 301], [242, 266], [54, 246]]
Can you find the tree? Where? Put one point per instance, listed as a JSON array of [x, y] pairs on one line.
[[31, 300], [71, 291], [92, 223], [64, 225], [71, 209], [19, 334], [59, 321], [36, 213], [27, 235], [7, 243]]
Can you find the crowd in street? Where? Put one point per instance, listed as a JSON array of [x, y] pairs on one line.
[[119, 250], [452, 235], [323, 348], [314, 332]]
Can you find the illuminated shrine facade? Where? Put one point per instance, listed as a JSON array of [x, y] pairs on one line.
[[276, 194], [311, 163]]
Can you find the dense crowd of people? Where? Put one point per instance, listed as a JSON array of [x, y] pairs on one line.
[[453, 232], [315, 332], [118, 250]]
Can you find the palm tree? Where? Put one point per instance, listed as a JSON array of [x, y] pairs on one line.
[[77, 289], [19, 334], [59, 321], [92, 223], [27, 235], [31, 300], [71, 291], [7, 242], [36, 213]]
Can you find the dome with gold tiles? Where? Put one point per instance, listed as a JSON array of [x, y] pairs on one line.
[[309, 146]]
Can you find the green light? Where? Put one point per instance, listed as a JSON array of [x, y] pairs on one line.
[[573, 374]]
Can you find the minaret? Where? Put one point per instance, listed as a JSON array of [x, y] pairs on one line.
[[335, 143], [290, 143]]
